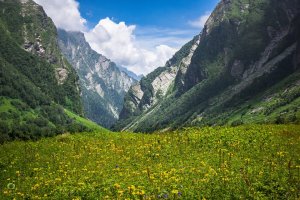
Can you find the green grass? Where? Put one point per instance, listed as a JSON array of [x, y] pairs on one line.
[[19, 121], [5, 105], [15, 107], [247, 162], [87, 123], [283, 102]]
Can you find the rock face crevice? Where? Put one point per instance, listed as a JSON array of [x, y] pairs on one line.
[[246, 48], [103, 84]]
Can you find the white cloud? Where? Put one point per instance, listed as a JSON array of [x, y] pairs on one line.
[[150, 37], [118, 42], [64, 13], [200, 22], [140, 49]]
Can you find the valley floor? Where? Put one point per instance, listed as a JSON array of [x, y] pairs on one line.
[[247, 162]]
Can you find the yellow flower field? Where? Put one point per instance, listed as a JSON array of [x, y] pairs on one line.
[[247, 162]]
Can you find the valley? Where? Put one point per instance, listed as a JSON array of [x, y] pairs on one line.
[[217, 117]]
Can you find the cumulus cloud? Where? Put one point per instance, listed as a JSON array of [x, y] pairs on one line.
[[140, 50], [64, 13], [118, 42], [200, 22]]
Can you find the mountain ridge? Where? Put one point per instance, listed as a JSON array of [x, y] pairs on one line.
[[231, 65], [130, 73], [37, 82], [103, 84]]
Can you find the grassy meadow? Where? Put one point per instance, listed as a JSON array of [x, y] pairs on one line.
[[246, 162]]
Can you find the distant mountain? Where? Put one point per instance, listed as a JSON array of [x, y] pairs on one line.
[[103, 84], [37, 82], [242, 68], [130, 73]]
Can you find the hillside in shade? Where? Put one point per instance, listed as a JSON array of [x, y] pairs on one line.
[[242, 68]]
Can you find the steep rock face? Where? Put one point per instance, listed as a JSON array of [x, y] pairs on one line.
[[246, 49], [40, 38], [103, 84]]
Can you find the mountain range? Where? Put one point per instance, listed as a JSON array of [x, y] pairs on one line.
[[103, 84], [242, 68], [212, 110]]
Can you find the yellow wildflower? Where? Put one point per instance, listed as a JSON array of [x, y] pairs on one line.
[[174, 191]]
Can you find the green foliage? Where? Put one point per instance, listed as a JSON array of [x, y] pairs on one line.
[[9, 17], [276, 100], [173, 112], [95, 110], [243, 54], [19, 121], [87, 123], [245, 162], [31, 98], [39, 70]]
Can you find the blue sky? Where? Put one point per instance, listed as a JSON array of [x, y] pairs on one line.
[[140, 35], [153, 13]]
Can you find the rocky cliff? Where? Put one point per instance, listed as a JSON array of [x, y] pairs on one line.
[[29, 26], [247, 52], [103, 83], [37, 82]]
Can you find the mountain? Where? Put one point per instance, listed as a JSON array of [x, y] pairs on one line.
[[130, 73], [103, 84], [39, 88], [242, 68]]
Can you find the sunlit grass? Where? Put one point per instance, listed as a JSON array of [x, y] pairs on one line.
[[249, 162]]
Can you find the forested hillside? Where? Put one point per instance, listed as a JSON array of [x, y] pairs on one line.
[[37, 82], [243, 68]]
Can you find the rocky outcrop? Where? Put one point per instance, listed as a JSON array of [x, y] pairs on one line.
[[103, 83], [40, 39], [160, 83], [33, 31], [61, 75]]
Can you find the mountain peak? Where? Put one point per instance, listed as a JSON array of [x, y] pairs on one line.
[[103, 83]]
